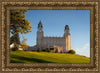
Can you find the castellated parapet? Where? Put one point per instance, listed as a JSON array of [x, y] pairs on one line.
[[63, 44]]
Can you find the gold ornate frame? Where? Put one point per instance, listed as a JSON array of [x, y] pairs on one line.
[[48, 67]]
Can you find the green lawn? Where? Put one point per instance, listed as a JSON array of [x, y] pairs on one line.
[[45, 57]]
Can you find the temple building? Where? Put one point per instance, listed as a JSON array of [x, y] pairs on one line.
[[62, 44]]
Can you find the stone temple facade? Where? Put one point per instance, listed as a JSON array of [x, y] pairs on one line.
[[63, 44]]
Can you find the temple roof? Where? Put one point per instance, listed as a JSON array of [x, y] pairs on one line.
[[66, 27], [40, 24]]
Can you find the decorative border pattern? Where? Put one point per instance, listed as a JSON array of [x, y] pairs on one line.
[[6, 6]]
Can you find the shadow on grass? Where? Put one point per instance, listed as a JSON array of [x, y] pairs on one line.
[[21, 59]]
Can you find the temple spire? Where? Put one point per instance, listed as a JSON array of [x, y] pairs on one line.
[[40, 25]]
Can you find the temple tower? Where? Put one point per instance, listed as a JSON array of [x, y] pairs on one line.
[[40, 34], [67, 39]]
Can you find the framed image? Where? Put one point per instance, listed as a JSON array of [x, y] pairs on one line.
[[45, 49], [55, 36]]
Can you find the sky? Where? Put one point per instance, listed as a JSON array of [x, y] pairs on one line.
[[54, 22]]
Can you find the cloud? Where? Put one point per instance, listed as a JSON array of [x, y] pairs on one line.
[[85, 46], [85, 50]]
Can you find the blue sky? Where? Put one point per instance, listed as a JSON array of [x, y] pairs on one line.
[[54, 22]]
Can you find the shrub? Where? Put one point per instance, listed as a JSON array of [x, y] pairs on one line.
[[44, 50], [24, 46], [39, 49], [48, 49], [71, 52], [61, 51], [56, 51]]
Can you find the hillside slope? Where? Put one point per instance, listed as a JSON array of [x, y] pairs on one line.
[[45, 57]]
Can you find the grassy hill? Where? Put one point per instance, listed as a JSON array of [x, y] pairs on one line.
[[45, 57]]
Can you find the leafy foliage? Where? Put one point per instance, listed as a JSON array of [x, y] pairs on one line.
[[39, 49], [71, 51], [56, 51], [24, 45], [18, 24], [61, 51], [48, 49]]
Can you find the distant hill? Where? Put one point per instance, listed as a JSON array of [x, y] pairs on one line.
[[45, 57]]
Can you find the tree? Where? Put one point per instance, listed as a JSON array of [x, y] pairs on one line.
[[18, 23], [71, 52], [24, 45], [15, 38]]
